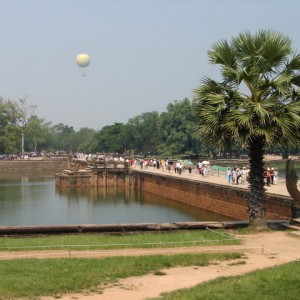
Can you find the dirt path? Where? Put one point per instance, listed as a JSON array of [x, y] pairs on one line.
[[261, 250]]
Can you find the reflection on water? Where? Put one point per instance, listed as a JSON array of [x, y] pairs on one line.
[[36, 201]]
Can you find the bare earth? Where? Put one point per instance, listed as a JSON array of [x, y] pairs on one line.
[[261, 250]]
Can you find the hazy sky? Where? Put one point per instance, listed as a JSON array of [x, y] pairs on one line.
[[144, 54]]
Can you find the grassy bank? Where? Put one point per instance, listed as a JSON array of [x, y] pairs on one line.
[[109, 241], [29, 278], [281, 282]]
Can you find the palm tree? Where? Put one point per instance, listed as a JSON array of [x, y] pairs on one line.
[[257, 103]]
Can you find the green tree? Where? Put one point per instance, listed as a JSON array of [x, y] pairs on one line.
[[10, 132], [27, 112], [62, 137], [143, 132], [86, 140], [36, 133], [256, 104], [112, 139], [10, 139], [177, 129]]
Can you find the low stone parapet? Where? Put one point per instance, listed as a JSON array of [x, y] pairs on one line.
[[106, 228]]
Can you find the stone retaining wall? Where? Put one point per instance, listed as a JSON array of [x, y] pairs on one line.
[[33, 166], [224, 200]]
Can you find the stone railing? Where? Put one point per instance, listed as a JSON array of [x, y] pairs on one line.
[[98, 164]]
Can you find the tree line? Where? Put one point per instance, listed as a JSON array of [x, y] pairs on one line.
[[170, 133]]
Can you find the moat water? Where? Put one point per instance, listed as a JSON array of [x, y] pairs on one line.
[[31, 200]]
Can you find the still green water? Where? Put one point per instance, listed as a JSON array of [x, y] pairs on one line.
[[37, 201]]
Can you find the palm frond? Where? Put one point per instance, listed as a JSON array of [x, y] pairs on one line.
[[222, 54], [293, 64], [295, 80]]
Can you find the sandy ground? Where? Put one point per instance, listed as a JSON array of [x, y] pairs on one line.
[[261, 250]]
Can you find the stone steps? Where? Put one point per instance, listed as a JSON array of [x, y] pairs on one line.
[[296, 221], [294, 225], [296, 211]]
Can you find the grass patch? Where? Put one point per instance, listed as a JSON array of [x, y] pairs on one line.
[[280, 282], [29, 278], [109, 241], [159, 273], [238, 263], [253, 230]]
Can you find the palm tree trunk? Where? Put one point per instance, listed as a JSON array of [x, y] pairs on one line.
[[256, 203], [285, 152]]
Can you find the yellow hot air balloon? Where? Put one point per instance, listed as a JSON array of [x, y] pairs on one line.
[[83, 60]]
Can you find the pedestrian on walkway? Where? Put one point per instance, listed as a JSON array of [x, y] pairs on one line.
[[228, 174], [190, 168], [276, 174], [272, 175], [244, 175], [268, 176]]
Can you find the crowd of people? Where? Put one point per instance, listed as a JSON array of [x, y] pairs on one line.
[[234, 175], [271, 176], [238, 175], [177, 166]]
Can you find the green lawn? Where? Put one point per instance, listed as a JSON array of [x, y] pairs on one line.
[[281, 282], [109, 241], [29, 278]]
